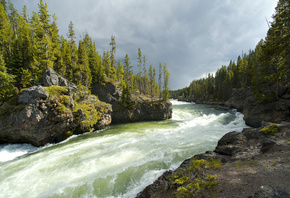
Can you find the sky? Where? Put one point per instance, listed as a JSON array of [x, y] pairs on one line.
[[193, 37]]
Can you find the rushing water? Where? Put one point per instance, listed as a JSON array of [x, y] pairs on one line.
[[119, 161]]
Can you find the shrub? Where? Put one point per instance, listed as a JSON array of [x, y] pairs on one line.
[[56, 91], [193, 182], [270, 130]]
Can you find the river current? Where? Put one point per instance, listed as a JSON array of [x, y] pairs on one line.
[[119, 161]]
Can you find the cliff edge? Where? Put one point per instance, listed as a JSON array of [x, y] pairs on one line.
[[51, 113]]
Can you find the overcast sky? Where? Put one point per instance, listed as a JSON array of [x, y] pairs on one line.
[[193, 37]]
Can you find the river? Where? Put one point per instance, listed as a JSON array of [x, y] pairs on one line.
[[119, 161]]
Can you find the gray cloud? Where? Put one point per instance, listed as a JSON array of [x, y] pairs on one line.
[[193, 37]]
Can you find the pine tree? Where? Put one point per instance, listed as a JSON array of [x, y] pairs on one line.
[[4, 3], [120, 72], [140, 70], [73, 51], [145, 77], [166, 82], [6, 35], [6, 87], [128, 68], [151, 81], [13, 15], [160, 80], [65, 49], [22, 51], [56, 57]]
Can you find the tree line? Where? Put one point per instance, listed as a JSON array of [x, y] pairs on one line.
[[29, 45], [264, 69]]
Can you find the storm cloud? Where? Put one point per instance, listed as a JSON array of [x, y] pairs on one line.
[[193, 37]]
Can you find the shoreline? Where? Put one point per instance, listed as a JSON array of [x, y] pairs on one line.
[[251, 163]]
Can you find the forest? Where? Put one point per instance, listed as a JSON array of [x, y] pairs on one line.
[[29, 45], [264, 69]]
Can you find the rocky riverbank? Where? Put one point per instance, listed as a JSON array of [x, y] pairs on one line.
[[141, 108], [57, 109], [254, 163], [255, 112], [51, 113]]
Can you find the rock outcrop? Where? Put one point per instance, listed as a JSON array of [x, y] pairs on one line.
[[41, 115], [140, 109], [255, 113], [255, 162]]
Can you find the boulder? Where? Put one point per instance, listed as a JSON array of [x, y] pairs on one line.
[[270, 192], [51, 78], [35, 126], [267, 144], [32, 94], [142, 111], [38, 119], [107, 92], [255, 113], [231, 143]]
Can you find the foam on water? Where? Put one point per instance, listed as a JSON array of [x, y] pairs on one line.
[[119, 161]]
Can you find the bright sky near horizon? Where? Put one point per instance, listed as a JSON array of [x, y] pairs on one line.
[[193, 37]]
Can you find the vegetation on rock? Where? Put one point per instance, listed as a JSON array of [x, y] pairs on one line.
[[193, 181], [270, 130]]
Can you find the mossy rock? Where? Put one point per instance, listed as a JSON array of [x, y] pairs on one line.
[[272, 129]]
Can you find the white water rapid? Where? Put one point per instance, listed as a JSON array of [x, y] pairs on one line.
[[119, 161]]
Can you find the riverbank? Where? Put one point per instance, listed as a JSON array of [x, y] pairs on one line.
[[255, 112], [57, 109], [254, 163]]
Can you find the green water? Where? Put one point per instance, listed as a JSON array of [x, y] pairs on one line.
[[119, 161]]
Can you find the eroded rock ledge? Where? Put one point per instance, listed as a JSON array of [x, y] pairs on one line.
[[254, 112], [41, 115], [140, 109], [255, 163], [58, 109]]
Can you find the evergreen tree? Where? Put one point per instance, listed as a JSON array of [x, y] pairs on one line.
[[4, 3], [56, 56], [120, 72], [151, 81], [13, 15], [66, 69], [140, 70], [166, 82], [6, 35], [160, 80], [73, 50], [128, 68], [6, 87], [145, 77]]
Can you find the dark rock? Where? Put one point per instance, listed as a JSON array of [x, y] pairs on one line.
[[251, 133], [51, 78], [282, 90], [231, 143], [32, 94], [32, 125], [107, 92], [270, 192], [254, 113], [142, 111], [39, 120], [267, 144]]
